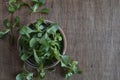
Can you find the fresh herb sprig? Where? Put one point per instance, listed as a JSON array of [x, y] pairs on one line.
[[43, 42], [9, 29], [13, 6]]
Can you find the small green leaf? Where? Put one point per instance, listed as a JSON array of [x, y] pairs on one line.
[[36, 57], [65, 60], [68, 75], [74, 67], [19, 77], [42, 73], [45, 10], [40, 20], [26, 30], [56, 53], [41, 27], [32, 42], [35, 7], [58, 37], [52, 29], [25, 56], [6, 23], [11, 9], [74, 63], [40, 66], [44, 41], [3, 33], [17, 21], [12, 1], [29, 76], [24, 76], [39, 34], [18, 6]]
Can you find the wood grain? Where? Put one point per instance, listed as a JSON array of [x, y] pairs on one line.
[[92, 28]]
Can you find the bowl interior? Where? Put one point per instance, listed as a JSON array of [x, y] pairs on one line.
[[54, 62]]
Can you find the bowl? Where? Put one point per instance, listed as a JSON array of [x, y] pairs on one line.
[[63, 50]]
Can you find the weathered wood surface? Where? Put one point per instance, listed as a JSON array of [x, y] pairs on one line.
[[92, 28]]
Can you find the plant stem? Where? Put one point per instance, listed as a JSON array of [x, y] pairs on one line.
[[11, 37]]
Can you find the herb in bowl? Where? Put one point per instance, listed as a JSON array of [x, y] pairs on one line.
[[42, 45]]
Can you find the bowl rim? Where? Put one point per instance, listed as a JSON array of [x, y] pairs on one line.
[[63, 52]]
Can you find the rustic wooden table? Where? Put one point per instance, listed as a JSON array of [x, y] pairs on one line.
[[92, 28]]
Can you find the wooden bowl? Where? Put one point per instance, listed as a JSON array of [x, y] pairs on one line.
[[63, 50]]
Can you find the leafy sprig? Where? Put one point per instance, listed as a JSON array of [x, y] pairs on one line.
[[14, 5]]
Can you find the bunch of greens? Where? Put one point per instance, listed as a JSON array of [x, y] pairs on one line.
[[32, 4], [43, 43], [14, 5]]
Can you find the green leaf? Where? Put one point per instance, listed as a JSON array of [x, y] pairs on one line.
[[43, 41], [40, 20], [17, 21], [74, 63], [19, 77], [25, 56], [6, 23], [29, 76], [52, 29], [32, 42], [42, 73], [11, 9], [12, 1], [74, 67], [40, 66], [58, 37], [36, 57], [3, 33], [35, 7], [45, 10], [24, 76], [39, 34], [56, 53], [17, 6], [26, 30], [68, 75], [65, 60], [39, 25]]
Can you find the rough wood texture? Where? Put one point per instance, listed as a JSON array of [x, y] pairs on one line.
[[92, 28]]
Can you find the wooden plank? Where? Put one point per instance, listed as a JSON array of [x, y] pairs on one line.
[[92, 28]]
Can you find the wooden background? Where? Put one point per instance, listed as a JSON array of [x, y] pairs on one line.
[[92, 28]]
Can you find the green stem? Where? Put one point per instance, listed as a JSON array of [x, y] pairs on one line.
[[11, 37]]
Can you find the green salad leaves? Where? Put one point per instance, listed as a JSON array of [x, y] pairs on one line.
[[42, 41]]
